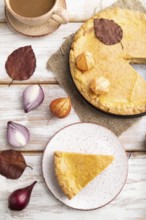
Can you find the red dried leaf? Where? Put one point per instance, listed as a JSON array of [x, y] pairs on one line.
[[12, 164], [107, 31], [21, 63]]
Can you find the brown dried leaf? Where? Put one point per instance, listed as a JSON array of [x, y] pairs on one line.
[[12, 164], [21, 63], [107, 31]]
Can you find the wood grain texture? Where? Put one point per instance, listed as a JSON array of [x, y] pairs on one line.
[[129, 205], [135, 137], [37, 121], [11, 109], [78, 11], [43, 48], [2, 15]]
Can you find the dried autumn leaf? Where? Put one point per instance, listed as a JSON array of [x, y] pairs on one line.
[[107, 31], [12, 164], [21, 63]]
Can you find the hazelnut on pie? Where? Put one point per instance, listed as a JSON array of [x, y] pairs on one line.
[[74, 170], [100, 58]]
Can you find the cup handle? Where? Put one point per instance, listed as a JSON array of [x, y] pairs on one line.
[[61, 16]]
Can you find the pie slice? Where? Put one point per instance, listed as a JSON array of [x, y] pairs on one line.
[[74, 171]]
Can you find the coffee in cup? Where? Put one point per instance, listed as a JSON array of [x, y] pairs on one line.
[[37, 12], [31, 8]]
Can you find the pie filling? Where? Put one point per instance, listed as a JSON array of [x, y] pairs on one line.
[[126, 94], [74, 171]]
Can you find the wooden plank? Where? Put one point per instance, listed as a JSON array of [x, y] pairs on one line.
[[41, 129], [130, 204], [11, 109], [78, 11], [2, 9], [43, 47], [135, 137]]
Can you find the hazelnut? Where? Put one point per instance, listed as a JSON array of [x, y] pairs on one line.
[[85, 61], [61, 107], [100, 85]]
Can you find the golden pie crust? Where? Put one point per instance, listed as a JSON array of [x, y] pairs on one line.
[[127, 91], [74, 171]]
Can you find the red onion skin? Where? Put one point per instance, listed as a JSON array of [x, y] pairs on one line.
[[15, 126], [36, 103], [20, 198]]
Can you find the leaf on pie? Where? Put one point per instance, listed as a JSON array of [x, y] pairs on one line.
[[12, 164], [107, 31], [21, 63]]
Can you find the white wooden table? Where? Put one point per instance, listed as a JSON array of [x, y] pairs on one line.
[[130, 204]]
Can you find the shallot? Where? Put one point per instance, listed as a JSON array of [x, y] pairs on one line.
[[18, 135], [20, 198]]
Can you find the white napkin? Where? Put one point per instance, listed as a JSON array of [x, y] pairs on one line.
[[81, 10]]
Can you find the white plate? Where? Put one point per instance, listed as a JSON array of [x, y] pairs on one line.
[[93, 139]]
